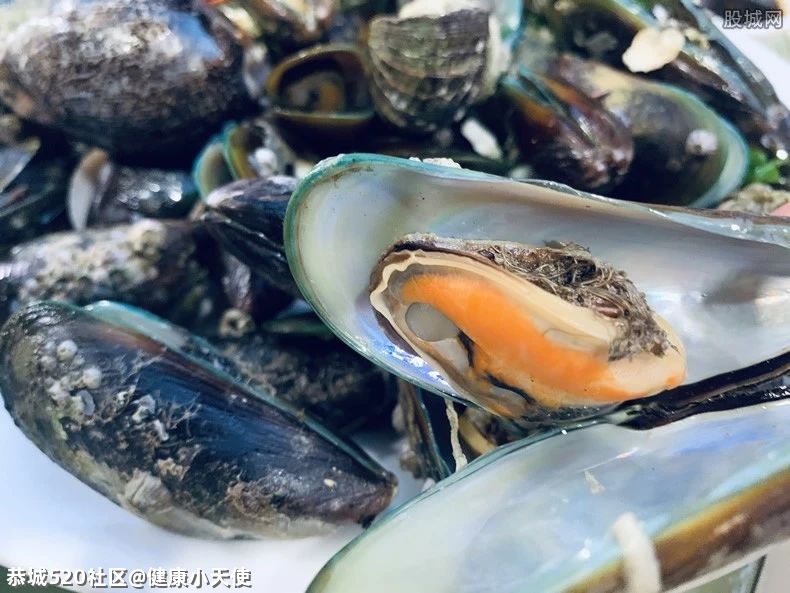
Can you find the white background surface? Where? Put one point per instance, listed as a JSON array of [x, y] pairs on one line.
[[49, 519]]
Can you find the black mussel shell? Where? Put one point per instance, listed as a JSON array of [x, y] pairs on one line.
[[246, 217], [148, 81], [174, 440]]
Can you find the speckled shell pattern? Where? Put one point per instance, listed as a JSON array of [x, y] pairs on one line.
[[427, 70], [173, 440], [122, 73]]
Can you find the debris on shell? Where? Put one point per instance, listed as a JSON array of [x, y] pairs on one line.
[[174, 440], [652, 49]]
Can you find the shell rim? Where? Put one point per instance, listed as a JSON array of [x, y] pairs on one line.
[[513, 448]]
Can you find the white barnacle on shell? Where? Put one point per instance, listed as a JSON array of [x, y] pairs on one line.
[[66, 350]]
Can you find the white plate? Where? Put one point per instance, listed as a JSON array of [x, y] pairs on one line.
[[48, 519]]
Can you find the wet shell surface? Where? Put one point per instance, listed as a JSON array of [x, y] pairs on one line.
[[728, 312], [172, 439], [602, 509], [149, 262], [172, 79]]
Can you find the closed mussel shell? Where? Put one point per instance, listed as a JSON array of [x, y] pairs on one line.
[[149, 263], [172, 439], [427, 70], [246, 217], [566, 135], [118, 73]]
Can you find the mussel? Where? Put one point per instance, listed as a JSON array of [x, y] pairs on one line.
[[102, 193], [251, 298], [245, 150], [323, 377], [599, 509], [729, 311], [312, 372], [566, 135], [146, 79], [149, 263], [506, 323], [427, 69], [286, 22], [172, 438], [247, 219], [320, 98], [700, 58], [684, 153]]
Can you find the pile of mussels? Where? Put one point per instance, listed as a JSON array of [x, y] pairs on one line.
[[197, 319]]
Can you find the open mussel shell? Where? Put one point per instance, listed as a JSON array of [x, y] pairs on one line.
[[601, 509], [685, 154], [729, 308], [244, 150], [706, 64], [122, 406], [320, 96]]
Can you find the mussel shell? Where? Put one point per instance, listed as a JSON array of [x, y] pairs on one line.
[[428, 452], [244, 150], [149, 263], [14, 158], [324, 378], [284, 23], [136, 78], [320, 97], [246, 217], [456, 147], [317, 376], [729, 311], [718, 74], [102, 193], [172, 440], [427, 70], [211, 169], [566, 135], [249, 293], [566, 513], [669, 165], [760, 383], [32, 190]]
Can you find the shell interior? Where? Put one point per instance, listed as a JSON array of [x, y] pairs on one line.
[[730, 305], [588, 511]]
